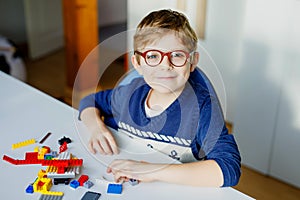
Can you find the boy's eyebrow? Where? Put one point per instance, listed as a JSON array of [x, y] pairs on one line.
[[163, 50]]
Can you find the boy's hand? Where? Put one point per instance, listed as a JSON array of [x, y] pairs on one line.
[[124, 170], [103, 142]]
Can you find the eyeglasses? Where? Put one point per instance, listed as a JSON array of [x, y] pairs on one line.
[[153, 57]]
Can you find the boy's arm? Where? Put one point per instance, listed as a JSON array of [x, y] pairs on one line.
[[202, 173], [221, 167], [101, 139], [215, 143], [89, 112]]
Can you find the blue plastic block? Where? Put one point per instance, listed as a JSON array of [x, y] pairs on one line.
[[91, 196], [114, 189], [29, 189], [74, 184]]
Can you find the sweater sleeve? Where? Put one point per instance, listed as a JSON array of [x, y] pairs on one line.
[[100, 100], [214, 143]]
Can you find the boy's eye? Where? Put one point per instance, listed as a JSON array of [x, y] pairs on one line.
[[152, 56], [178, 54]]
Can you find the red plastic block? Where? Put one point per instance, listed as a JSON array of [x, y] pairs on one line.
[[21, 162], [48, 149], [31, 155], [60, 170], [56, 163], [83, 179], [63, 147], [9, 159], [27, 162], [76, 162]]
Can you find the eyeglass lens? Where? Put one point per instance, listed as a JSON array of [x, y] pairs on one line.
[[177, 58]]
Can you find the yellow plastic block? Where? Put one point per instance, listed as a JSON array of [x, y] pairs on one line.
[[51, 169], [36, 149], [46, 186], [42, 173], [52, 193], [22, 144], [41, 156]]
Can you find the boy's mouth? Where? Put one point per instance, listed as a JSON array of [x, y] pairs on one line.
[[166, 77]]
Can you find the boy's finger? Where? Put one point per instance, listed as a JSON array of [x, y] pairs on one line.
[[106, 147], [109, 170], [99, 148], [113, 144], [90, 147]]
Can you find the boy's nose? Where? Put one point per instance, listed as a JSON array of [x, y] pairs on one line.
[[165, 63]]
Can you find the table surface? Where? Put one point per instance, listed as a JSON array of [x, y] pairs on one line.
[[27, 113]]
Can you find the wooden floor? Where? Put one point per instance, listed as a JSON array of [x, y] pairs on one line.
[[48, 75]]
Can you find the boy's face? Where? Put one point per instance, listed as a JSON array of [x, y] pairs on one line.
[[165, 77]]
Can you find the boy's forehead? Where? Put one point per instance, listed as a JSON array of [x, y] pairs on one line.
[[168, 41]]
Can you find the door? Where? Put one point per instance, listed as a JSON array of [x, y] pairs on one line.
[[44, 27]]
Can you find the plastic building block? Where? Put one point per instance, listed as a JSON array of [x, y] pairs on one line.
[[82, 179], [54, 154], [36, 149], [22, 144], [31, 155], [88, 184], [46, 149], [114, 188], [133, 182], [9, 159], [42, 184], [64, 156], [51, 169], [52, 197], [28, 162], [64, 139], [91, 196], [61, 180], [64, 175], [74, 184], [52, 193], [42, 174], [20, 162], [63, 147], [75, 162], [48, 156], [56, 163], [29, 189], [45, 138], [70, 172]]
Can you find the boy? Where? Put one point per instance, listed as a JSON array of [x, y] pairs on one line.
[[172, 108]]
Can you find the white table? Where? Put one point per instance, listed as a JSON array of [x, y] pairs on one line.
[[27, 113]]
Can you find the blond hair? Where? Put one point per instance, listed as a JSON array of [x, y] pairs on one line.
[[158, 23]]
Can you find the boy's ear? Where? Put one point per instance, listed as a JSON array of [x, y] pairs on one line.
[[194, 60], [136, 64]]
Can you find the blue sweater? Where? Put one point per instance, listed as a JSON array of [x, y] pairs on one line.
[[194, 121]]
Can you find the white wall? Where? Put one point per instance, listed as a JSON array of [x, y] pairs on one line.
[[267, 110], [223, 33]]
